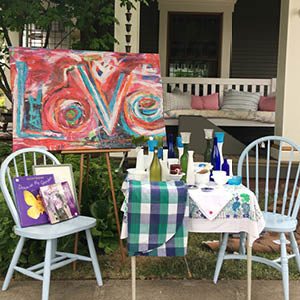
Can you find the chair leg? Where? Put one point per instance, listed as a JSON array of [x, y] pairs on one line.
[[47, 270], [295, 249], [242, 243], [221, 257], [13, 263], [94, 257], [54, 248], [284, 266]]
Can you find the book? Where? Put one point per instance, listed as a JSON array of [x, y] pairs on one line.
[[29, 203], [59, 202]]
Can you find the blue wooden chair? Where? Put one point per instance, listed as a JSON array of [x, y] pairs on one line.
[[278, 219], [46, 232]]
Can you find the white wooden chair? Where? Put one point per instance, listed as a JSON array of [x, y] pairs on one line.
[[46, 232], [278, 219]]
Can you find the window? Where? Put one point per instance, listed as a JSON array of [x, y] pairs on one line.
[[194, 44], [35, 37]]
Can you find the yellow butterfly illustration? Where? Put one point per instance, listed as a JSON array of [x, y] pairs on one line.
[[36, 204]]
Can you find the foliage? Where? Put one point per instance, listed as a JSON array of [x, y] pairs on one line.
[[97, 198], [93, 19], [139, 140], [96, 202]]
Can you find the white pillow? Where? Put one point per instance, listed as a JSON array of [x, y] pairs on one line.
[[176, 100], [239, 100]]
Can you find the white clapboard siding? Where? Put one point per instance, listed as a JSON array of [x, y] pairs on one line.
[[207, 86]]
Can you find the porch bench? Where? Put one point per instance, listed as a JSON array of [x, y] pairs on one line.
[[209, 86]]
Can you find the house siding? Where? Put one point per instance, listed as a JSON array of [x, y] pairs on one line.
[[255, 34]]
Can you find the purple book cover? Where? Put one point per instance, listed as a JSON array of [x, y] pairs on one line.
[[29, 204], [59, 202]]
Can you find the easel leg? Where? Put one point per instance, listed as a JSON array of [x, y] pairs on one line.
[[115, 204], [87, 169], [79, 202]]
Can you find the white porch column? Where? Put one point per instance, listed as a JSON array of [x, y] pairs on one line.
[[288, 72], [120, 30]]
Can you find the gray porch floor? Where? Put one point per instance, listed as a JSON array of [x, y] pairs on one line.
[[150, 290]]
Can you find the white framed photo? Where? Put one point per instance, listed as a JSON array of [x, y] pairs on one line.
[[63, 172]]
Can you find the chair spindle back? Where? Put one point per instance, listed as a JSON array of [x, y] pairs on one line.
[[15, 165], [288, 196]]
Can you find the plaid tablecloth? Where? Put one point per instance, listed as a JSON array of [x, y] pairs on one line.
[[157, 218]]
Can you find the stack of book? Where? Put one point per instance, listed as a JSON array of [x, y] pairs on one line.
[[41, 200]]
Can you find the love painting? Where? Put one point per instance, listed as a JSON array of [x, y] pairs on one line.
[[67, 99]]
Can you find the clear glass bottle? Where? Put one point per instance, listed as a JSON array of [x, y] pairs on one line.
[[184, 160], [155, 168]]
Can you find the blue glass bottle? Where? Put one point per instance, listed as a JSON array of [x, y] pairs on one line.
[[171, 152], [225, 167], [215, 159]]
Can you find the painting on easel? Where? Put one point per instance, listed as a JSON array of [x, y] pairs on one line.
[[67, 99]]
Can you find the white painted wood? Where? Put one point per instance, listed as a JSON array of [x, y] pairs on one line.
[[133, 277], [226, 122], [220, 84], [249, 269]]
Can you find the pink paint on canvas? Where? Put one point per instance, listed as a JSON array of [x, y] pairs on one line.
[[67, 99]]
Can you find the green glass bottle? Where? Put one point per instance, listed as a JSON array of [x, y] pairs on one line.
[[184, 160], [155, 168], [208, 150]]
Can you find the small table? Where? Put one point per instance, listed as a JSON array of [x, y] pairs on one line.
[[241, 214]]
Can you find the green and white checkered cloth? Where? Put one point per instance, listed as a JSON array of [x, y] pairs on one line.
[[157, 218]]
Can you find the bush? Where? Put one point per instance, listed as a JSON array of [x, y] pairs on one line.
[[96, 202]]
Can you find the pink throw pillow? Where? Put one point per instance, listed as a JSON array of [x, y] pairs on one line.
[[267, 103], [209, 102]]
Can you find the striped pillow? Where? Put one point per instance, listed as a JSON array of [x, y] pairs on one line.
[[176, 100], [238, 100]]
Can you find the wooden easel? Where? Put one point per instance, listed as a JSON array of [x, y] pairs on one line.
[[92, 151]]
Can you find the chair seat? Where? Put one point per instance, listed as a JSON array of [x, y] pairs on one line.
[[54, 231], [279, 223]]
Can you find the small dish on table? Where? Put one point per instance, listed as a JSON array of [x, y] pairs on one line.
[[176, 177]]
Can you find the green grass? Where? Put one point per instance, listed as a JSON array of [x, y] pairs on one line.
[[201, 261]]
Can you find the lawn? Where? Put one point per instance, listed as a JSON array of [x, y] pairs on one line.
[[201, 261]]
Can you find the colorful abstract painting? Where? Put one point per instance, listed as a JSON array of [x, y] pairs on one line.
[[67, 99]]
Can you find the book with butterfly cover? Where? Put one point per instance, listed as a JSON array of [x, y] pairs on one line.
[[29, 203], [59, 202]]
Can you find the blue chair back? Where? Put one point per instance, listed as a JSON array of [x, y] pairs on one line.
[[17, 164], [274, 145]]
